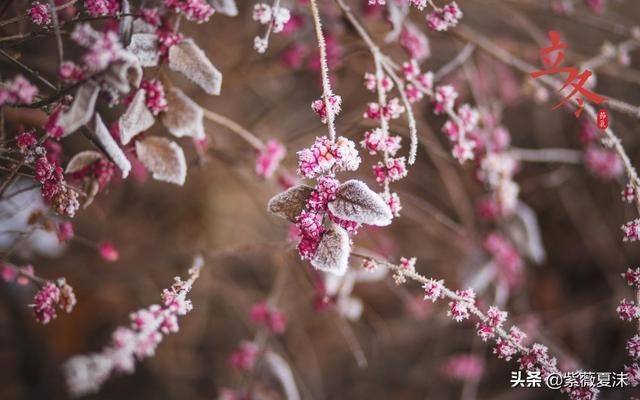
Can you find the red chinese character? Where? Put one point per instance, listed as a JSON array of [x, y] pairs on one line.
[[574, 78]]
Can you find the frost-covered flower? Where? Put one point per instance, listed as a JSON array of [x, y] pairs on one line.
[[101, 8], [603, 163], [444, 98], [194, 10], [628, 193], [70, 72], [631, 230], [244, 358], [459, 309], [39, 13], [632, 277], [155, 99], [433, 290], [335, 103], [108, 251], [65, 231], [393, 201], [444, 18], [627, 310], [633, 346], [269, 158], [323, 155], [45, 302], [414, 42], [18, 90]]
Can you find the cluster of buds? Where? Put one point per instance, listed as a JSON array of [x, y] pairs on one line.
[[39, 13], [325, 156], [86, 373], [194, 10], [444, 18], [266, 315], [506, 258], [17, 91], [51, 296], [275, 17], [102, 8], [629, 311]]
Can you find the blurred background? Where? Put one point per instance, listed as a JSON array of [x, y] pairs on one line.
[[400, 347]]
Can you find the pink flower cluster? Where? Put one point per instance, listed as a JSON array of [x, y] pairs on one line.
[[39, 13], [459, 309], [444, 18], [86, 373], [65, 232], [631, 230], [393, 170], [392, 110], [375, 141], [244, 358], [464, 367], [433, 290], [265, 14], [155, 99], [263, 314], [495, 319], [414, 42], [506, 257], [269, 158], [70, 72], [629, 311], [629, 194], [194, 10], [101, 8], [49, 297], [10, 273], [323, 157], [18, 90], [319, 107], [603, 163], [103, 47], [108, 251]]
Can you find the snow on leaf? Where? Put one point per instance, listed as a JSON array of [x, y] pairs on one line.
[[226, 7], [290, 203], [82, 160], [522, 227], [81, 109], [183, 117], [356, 202], [145, 47], [163, 158], [136, 118], [111, 147], [333, 251], [189, 59]]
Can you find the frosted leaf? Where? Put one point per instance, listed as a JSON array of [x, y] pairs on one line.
[[81, 109], [333, 251], [163, 158], [183, 117], [82, 160], [282, 372], [356, 202], [522, 227], [290, 203], [145, 47], [189, 59], [136, 119], [111, 147], [141, 26], [226, 7], [124, 73]]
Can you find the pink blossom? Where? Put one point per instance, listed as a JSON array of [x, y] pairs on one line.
[[194, 10], [293, 56], [70, 72], [350, 226], [8, 273], [633, 374], [323, 155], [335, 103], [459, 309], [504, 350], [26, 140], [393, 201], [419, 4], [495, 319], [108, 252], [444, 18], [18, 90], [628, 193], [310, 225], [51, 126], [413, 93], [506, 257], [269, 158], [100, 8], [633, 346], [244, 358], [396, 168], [464, 367], [633, 277], [631, 230], [45, 302], [487, 208], [371, 82], [39, 13], [166, 39], [65, 231], [414, 42], [627, 310], [155, 98], [324, 192], [426, 80], [151, 16], [603, 163], [307, 247], [537, 358], [444, 99]]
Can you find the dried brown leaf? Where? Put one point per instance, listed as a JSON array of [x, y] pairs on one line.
[[290, 203], [163, 158], [356, 202], [189, 59], [183, 117], [136, 118]]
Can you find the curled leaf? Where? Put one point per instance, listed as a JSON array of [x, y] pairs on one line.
[[290, 203], [111, 147], [82, 160], [145, 47], [522, 227], [356, 202], [333, 251], [183, 117], [136, 119], [226, 7], [189, 59], [123, 73], [282, 372], [82, 108], [163, 158]]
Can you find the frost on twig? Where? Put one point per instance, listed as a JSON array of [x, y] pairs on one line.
[[189, 59], [163, 158]]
